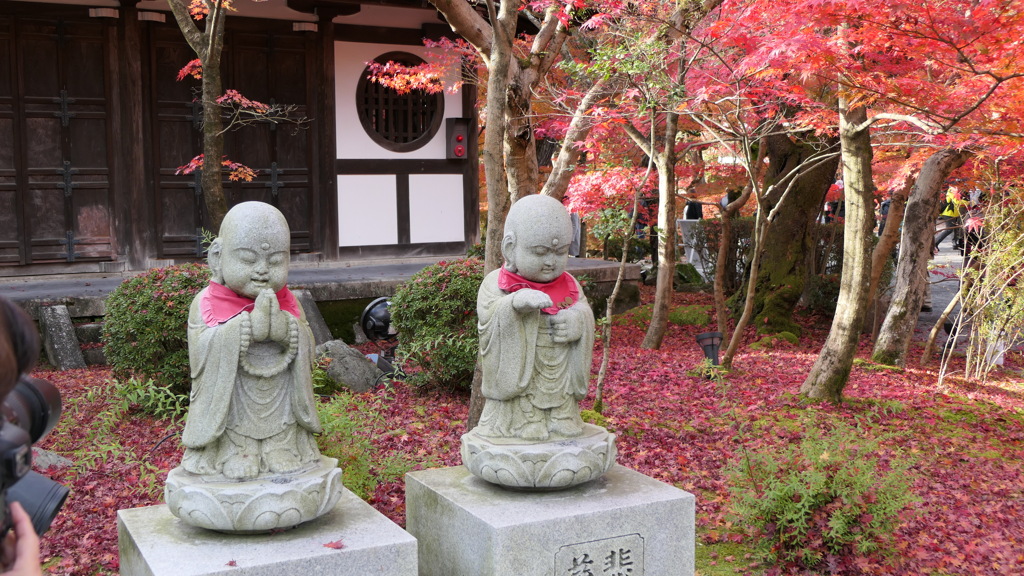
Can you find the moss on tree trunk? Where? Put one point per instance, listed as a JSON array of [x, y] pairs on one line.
[[780, 281]]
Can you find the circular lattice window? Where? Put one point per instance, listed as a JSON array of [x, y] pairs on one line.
[[398, 122]]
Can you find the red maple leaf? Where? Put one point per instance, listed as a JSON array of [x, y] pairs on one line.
[[336, 545]]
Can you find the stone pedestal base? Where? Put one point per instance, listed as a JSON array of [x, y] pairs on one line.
[[253, 506], [152, 542], [553, 465], [623, 524]]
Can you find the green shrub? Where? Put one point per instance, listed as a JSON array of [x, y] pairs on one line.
[[435, 314], [822, 294], [706, 235], [150, 398], [323, 384], [145, 332], [830, 496]]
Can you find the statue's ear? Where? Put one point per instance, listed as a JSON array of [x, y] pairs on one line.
[[508, 250], [215, 256]]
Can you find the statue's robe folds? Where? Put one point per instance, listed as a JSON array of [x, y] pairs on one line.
[[527, 378], [232, 411]]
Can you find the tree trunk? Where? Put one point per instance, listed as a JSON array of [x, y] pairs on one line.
[[893, 342], [520, 145], [213, 144], [757, 238], [666, 163], [780, 281], [208, 44], [883, 250], [831, 371]]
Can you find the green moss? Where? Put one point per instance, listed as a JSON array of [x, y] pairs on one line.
[[639, 316], [726, 559], [772, 340], [693, 315], [877, 367], [687, 276], [775, 308], [884, 357], [595, 418], [342, 315], [954, 416]]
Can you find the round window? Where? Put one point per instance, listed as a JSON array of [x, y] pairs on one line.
[[398, 122]]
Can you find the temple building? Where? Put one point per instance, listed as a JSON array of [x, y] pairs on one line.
[[94, 125]]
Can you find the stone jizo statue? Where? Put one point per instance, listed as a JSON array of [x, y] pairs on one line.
[[536, 346], [252, 413], [536, 330]]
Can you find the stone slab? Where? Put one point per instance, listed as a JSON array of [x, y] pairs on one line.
[[321, 333], [152, 542], [624, 524], [59, 339]]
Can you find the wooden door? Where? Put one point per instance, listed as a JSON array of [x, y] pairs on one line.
[[55, 140]]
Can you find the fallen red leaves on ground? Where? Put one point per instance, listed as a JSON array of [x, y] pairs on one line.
[[967, 440]]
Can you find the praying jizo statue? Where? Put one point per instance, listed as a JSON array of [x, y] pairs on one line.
[[536, 345], [251, 463]]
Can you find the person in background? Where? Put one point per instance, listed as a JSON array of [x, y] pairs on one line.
[[950, 221], [883, 213], [19, 350]]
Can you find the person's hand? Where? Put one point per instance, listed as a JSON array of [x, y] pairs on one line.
[[527, 300], [20, 550]]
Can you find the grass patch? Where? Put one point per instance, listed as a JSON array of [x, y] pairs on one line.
[[726, 559], [350, 423]]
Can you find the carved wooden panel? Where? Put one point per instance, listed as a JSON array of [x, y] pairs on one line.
[[55, 134]]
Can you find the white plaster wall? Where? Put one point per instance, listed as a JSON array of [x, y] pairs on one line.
[[435, 208], [367, 210], [350, 59]]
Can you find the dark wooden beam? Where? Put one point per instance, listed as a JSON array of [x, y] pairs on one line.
[[324, 7]]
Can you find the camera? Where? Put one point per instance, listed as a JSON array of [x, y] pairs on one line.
[[27, 415]]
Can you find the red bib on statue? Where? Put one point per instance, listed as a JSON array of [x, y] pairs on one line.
[[562, 290], [218, 303]]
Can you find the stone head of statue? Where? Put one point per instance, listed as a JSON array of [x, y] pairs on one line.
[[251, 253], [537, 236]]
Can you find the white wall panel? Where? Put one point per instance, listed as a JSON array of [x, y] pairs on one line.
[[367, 210], [436, 212]]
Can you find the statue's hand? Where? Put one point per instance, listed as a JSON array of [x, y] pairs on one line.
[[528, 300], [279, 320], [566, 327], [260, 317]]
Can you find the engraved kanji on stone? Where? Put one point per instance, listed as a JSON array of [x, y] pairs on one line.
[[618, 562], [617, 556], [581, 566]]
